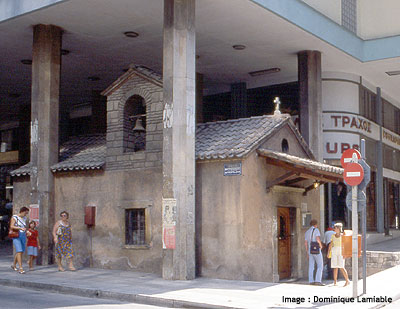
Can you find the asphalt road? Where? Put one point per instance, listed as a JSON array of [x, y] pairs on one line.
[[12, 298]]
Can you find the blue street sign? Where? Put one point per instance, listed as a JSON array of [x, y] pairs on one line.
[[361, 198]]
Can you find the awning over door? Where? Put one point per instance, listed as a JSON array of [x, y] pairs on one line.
[[297, 170]]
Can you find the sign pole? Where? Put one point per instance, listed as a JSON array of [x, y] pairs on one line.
[[354, 261], [353, 175], [364, 232], [355, 240]]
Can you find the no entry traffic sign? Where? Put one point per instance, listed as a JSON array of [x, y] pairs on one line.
[[347, 156], [353, 174]]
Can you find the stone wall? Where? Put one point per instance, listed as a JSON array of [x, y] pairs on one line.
[[112, 192], [117, 158], [376, 262]]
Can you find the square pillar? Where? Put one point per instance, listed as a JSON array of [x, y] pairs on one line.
[[310, 98], [179, 81], [46, 65]]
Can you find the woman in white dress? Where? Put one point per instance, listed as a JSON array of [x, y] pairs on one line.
[[335, 251]]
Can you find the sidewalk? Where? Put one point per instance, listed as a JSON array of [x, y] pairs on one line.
[[199, 293]]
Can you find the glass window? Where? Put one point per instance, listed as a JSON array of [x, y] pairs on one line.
[[349, 15], [135, 227], [391, 117], [9, 140], [368, 104]]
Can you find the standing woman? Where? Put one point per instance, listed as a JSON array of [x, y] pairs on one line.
[[18, 223], [62, 236], [335, 250]]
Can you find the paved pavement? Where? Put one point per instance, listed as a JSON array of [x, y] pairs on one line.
[[135, 287], [392, 245]]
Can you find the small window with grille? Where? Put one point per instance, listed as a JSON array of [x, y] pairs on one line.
[[135, 227]]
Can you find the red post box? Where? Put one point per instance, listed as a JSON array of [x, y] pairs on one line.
[[90, 215]]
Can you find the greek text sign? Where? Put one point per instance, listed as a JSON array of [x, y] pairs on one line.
[[233, 169], [350, 123], [390, 138]]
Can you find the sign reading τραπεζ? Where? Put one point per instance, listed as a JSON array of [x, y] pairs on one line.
[[233, 169]]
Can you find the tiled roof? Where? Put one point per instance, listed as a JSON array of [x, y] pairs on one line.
[[79, 153], [82, 153], [301, 162], [138, 70], [22, 171], [234, 138], [214, 140]]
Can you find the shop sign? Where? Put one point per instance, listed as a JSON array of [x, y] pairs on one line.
[[335, 143], [350, 123], [390, 138], [233, 169]]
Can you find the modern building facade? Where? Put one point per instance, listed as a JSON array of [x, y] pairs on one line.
[[334, 64]]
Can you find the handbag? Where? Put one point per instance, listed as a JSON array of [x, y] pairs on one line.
[[13, 234], [314, 245]]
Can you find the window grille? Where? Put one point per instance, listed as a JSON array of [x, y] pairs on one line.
[[135, 227], [349, 15]]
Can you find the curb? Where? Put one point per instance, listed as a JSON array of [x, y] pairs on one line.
[[95, 293], [395, 298]]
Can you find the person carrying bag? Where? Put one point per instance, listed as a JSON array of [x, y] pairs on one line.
[[18, 225], [313, 248], [314, 245]]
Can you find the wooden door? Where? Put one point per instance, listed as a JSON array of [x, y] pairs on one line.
[[284, 243]]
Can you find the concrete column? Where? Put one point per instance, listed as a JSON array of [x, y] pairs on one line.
[[238, 100], [46, 64], [379, 167], [179, 77], [310, 98]]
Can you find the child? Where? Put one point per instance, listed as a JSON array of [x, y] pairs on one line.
[[33, 244]]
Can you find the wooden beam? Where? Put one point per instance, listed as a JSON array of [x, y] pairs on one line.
[[305, 172], [316, 176], [279, 179], [294, 180]]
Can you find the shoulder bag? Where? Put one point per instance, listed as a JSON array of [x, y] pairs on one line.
[[12, 233], [314, 245]]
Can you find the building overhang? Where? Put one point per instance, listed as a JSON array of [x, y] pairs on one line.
[[273, 32]]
